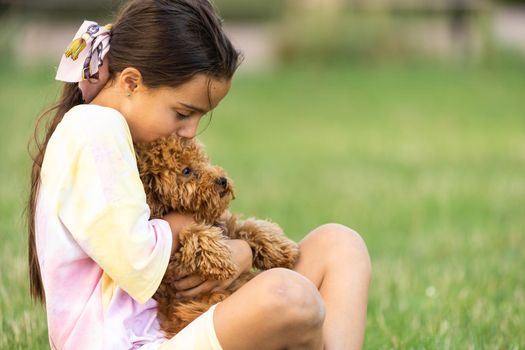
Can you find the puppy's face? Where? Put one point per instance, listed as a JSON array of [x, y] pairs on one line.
[[177, 176]]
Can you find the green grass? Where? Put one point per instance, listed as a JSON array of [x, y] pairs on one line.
[[426, 161]]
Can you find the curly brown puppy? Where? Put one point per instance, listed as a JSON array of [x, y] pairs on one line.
[[177, 176]]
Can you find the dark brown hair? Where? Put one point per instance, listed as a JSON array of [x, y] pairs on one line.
[[168, 41]]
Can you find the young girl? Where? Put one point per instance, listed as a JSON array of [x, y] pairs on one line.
[[95, 258]]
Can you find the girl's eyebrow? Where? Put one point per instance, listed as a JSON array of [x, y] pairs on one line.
[[198, 109]]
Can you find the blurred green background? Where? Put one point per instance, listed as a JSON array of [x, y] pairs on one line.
[[404, 120]]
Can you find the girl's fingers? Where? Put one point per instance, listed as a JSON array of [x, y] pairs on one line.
[[208, 286], [188, 282], [202, 288], [178, 278], [223, 285]]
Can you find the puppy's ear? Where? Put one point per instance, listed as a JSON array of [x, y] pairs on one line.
[[149, 164], [157, 203]]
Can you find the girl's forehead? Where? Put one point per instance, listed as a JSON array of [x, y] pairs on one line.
[[196, 93]]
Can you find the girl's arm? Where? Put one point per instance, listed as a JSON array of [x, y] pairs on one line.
[[177, 221], [91, 165]]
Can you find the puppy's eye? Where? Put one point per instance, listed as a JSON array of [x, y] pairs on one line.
[[186, 171]]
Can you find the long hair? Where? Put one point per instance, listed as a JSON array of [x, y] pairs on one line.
[[168, 41]]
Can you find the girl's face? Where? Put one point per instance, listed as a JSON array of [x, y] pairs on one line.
[[159, 112]]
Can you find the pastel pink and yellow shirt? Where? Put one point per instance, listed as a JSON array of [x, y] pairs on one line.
[[101, 257]]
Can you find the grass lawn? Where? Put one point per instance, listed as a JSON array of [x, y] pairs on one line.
[[426, 162]]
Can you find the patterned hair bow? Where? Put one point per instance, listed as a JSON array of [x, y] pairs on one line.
[[83, 59]]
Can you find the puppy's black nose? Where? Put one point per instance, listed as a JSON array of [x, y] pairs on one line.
[[222, 181]]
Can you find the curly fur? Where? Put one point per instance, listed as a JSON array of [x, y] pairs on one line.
[[177, 176]]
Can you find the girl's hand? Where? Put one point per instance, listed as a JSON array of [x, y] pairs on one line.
[[193, 285], [177, 221]]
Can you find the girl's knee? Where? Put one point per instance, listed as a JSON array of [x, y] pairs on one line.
[[293, 297], [341, 240]]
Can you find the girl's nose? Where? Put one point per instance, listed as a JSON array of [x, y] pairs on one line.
[[188, 131]]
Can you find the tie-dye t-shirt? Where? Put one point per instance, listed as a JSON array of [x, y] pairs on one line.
[[101, 257]]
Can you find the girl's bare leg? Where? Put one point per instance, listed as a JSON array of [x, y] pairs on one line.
[[278, 309], [336, 260]]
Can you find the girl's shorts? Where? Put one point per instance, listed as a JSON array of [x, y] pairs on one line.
[[198, 335]]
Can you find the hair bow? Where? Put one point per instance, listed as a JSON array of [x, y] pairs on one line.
[[84, 57]]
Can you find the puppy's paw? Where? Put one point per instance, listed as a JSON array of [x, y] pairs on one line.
[[271, 248], [203, 251], [228, 223]]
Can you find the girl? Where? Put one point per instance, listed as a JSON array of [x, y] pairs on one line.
[[95, 258]]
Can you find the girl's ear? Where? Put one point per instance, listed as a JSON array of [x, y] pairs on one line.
[[130, 80]]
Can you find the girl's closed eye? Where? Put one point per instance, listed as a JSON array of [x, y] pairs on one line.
[[182, 116]]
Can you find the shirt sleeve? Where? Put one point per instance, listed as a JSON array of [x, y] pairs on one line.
[[103, 205]]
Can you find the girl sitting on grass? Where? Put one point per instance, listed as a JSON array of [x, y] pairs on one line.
[[95, 257]]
